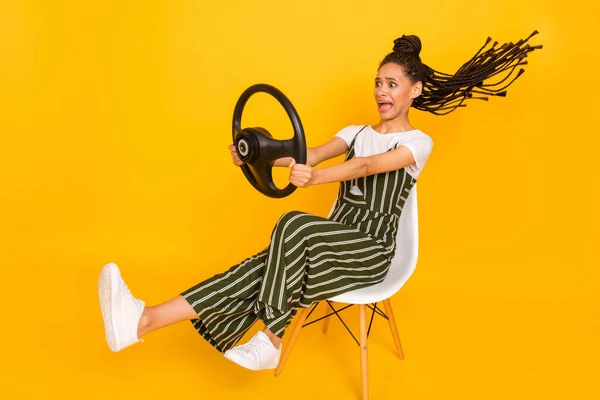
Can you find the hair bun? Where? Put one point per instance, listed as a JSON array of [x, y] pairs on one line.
[[408, 44]]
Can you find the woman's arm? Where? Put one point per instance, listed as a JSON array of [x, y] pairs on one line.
[[304, 175], [316, 155]]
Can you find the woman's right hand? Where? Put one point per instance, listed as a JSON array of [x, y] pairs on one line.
[[234, 156]]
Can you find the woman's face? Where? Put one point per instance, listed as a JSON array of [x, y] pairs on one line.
[[394, 92]]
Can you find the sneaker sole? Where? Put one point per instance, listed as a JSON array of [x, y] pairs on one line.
[[107, 288], [242, 362], [239, 361]]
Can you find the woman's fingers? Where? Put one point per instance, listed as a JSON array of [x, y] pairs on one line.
[[300, 174], [234, 155], [301, 167]]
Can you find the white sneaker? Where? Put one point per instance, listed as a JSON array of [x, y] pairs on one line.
[[259, 353], [120, 310]]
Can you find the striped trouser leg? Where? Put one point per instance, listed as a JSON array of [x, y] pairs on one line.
[[225, 302], [309, 258]]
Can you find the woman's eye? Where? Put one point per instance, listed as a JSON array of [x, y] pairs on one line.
[[377, 84], [392, 84]]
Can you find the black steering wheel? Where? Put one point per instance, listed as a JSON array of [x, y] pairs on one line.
[[257, 148]]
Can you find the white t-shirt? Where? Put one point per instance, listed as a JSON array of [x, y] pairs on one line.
[[370, 142]]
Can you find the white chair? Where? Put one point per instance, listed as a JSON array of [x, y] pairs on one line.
[[402, 266]]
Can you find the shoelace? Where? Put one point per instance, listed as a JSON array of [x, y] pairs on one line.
[[125, 288], [253, 344]]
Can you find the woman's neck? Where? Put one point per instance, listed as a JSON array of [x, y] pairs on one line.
[[395, 125]]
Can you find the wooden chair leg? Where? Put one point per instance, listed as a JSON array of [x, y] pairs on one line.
[[326, 321], [363, 352], [394, 329], [300, 318]]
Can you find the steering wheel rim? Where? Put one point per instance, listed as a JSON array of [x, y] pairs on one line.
[[259, 150]]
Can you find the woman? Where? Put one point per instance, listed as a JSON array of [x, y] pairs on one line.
[[311, 258]]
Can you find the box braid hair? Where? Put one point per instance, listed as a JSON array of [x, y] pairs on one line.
[[443, 93]]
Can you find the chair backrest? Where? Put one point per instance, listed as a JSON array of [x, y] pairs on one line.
[[407, 243], [404, 261]]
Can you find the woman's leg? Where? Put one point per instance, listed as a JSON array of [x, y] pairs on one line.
[[165, 314], [310, 259], [220, 299], [225, 304], [173, 311], [276, 340]]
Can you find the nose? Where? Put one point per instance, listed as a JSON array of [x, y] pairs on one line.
[[380, 92]]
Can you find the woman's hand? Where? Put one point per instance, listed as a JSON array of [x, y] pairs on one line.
[[234, 156], [301, 175]]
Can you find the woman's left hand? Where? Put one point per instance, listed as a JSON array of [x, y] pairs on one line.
[[301, 175]]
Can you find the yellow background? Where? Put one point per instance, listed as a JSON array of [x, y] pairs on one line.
[[114, 122]]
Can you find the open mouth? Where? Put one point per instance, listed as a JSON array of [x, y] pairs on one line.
[[384, 107]]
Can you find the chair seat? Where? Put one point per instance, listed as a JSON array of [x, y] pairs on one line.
[[372, 294]]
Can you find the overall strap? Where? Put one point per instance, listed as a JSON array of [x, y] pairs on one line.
[[356, 135], [350, 153]]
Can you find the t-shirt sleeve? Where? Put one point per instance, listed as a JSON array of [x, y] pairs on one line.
[[420, 147], [348, 134]]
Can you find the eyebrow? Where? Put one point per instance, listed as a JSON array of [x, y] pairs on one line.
[[386, 77]]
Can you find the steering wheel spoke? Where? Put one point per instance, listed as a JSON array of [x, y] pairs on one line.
[[280, 149]]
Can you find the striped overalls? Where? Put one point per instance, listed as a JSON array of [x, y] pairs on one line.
[[309, 258]]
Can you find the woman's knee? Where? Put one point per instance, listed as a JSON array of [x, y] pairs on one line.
[[289, 216]]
